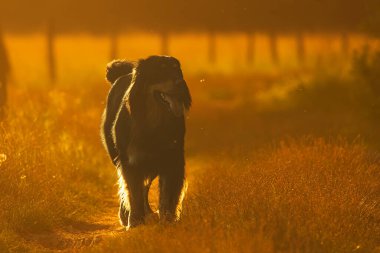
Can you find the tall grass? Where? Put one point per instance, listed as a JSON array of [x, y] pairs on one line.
[[53, 169], [346, 104], [308, 195], [305, 195], [249, 190]]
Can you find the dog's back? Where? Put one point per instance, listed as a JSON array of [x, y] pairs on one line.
[[118, 73]]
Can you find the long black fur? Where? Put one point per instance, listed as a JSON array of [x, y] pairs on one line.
[[142, 151]]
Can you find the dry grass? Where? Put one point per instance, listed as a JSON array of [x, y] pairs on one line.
[[301, 196], [305, 195], [256, 184], [53, 173]]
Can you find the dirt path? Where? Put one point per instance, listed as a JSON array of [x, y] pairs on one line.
[[74, 234], [77, 234]]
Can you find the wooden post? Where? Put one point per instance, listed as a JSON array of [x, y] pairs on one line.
[[212, 47], [5, 69], [273, 48], [113, 45], [250, 47], [300, 38], [345, 45], [164, 43], [51, 61]]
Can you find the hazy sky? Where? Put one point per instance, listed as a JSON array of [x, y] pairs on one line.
[[101, 15]]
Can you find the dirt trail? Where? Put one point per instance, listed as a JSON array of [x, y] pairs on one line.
[[77, 234], [74, 234]]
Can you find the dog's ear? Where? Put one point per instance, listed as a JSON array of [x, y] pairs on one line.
[[185, 89], [136, 91], [186, 96]]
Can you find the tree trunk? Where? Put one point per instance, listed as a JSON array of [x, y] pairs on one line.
[[250, 48], [4, 74], [164, 43], [273, 48], [212, 47], [51, 59], [300, 48], [113, 45]]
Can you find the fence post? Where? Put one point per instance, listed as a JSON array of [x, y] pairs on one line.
[[273, 48], [345, 44], [300, 38], [113, 45], [5, 69], [250, 47], [51, 60], [211, 47], [164, 43]]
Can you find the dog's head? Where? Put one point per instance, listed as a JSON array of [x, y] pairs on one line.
[[158, 88]]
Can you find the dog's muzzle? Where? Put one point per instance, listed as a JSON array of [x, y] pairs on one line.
[[173, 103]]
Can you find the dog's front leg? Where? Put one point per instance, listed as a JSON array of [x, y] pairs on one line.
[[171, 185]]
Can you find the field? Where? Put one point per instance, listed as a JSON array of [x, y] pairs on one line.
[[276, 162]]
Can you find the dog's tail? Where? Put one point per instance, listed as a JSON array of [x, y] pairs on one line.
[[118, 68]]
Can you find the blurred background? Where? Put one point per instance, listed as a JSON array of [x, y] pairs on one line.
[[310, 65], [282, 143], [70, 42]]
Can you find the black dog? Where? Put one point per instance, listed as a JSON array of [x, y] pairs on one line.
[[143, 131]]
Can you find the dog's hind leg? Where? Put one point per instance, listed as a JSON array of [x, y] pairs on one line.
[[123, 213], [135, 186], [147, 184], [123, 196]]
